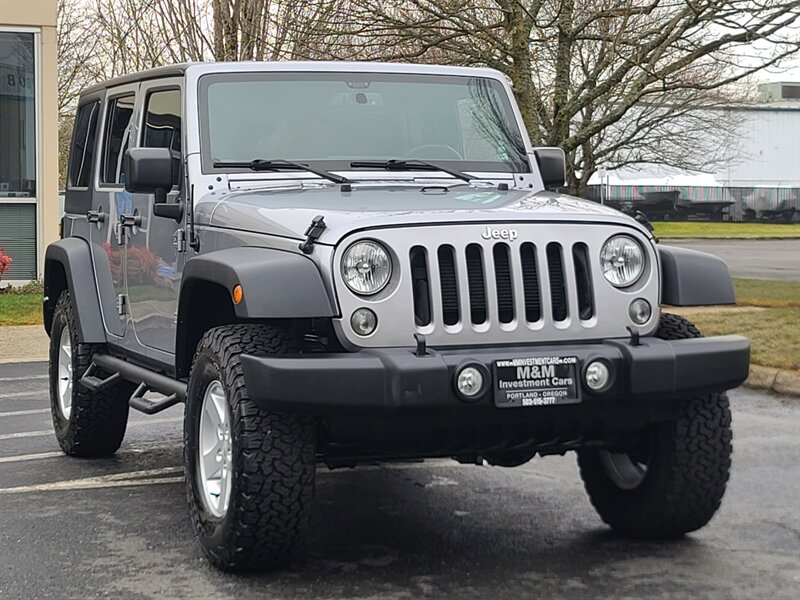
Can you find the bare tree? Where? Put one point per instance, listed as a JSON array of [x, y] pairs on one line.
[[274, 29], [610, 81]]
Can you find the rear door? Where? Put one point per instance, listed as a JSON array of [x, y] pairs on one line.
[[154, 259], [109, 201]]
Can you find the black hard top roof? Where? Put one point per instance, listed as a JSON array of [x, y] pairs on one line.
[[157, 73]]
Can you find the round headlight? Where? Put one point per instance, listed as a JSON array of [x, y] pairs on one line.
[[366, 268], [622, 261]]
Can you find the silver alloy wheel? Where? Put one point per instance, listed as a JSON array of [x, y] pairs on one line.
[[625, 472], [214, 449], [65, 374]]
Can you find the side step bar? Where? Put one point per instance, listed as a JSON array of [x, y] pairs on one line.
[[175, 391]]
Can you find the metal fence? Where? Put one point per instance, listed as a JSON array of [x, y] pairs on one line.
[[676, 203]]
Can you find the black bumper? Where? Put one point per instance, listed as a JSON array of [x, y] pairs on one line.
[[396, 379]]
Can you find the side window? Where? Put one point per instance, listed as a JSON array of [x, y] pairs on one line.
[[162, 126], [81, 155], [118, 119]]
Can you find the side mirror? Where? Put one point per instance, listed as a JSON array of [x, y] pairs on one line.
[[148, 170], [552, 166]]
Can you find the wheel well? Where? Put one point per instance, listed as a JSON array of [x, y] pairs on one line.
[[203, 306], [55, 282]]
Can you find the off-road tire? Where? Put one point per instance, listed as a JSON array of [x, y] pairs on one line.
[[273, 458], [97, 420], [688, 465]]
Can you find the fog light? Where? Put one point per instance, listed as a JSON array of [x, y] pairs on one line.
[[469, 382], [597, 375], [640, 311], [363, 321]]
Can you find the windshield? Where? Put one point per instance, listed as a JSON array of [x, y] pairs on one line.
[[333, 119]]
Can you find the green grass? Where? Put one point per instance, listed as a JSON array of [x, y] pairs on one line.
[[20, 309], [673, 229], [771, 294], [774, 333]]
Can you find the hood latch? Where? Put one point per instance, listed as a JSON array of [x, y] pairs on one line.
[[313, 233]]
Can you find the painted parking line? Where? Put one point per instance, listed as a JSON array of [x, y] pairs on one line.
[[129, 479], [155, 476], [21, 413], [127, 451], [41, 433], [14, 395], [29, 378], [29, 457]]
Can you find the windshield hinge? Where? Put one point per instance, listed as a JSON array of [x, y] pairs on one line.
[[312, 234], [122, 303], [179, 240]]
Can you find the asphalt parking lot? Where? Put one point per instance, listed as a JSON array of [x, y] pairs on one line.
[[119, 528], [757, 259]]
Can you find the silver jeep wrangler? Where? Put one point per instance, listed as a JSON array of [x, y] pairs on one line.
[[342, 263]]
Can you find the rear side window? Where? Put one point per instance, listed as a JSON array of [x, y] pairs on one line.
[[118, 121], [162, 125], [81, 157]]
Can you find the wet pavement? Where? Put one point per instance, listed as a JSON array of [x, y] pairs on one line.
[[118, 527]]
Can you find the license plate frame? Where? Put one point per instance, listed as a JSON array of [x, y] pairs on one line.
[[534, 381]]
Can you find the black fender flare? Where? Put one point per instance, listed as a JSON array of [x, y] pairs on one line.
[[68, 266], [276, 284], [692, 278]]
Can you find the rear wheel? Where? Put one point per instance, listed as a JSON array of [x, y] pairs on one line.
[[249, 473], [672, 479], [86, 423]]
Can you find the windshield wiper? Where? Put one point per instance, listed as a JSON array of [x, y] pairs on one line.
[[277, 164], [409, 164]]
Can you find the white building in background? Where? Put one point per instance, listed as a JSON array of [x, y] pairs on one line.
[[767, 149], [762, 179]]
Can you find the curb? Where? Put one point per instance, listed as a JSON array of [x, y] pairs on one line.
[[774, 380]]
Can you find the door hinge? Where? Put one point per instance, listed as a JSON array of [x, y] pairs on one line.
[[179, 240], [122, 303]]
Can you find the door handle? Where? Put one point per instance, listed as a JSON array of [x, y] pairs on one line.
[[124, 221], [96, 216], [130, 220]]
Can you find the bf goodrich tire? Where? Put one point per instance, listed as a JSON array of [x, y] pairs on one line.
[[672, 481], [86, 423], [249, 473]]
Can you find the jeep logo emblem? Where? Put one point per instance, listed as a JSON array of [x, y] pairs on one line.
[[500, 234]]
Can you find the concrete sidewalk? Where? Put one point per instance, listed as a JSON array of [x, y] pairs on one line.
[[23, 343], [27, 343]]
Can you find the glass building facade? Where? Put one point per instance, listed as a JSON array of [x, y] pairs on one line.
[[29, 200], [18, 152]]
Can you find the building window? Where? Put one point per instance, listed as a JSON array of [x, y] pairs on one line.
[[790, 92], [17, 116], [18, 239], [118, 131]]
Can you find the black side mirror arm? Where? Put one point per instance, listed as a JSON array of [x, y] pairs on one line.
[[168, 211]]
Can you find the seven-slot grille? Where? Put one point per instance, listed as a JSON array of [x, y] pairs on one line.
[[504, 284]]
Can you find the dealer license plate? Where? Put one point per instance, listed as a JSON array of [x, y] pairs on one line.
[[536, 381]]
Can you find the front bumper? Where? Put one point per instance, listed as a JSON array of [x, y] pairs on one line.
[[395, 379]]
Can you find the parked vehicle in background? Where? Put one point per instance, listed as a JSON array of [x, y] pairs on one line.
[[342, 263]]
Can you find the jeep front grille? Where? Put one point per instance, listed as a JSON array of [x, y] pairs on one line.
[[457, 288], [503, 261]]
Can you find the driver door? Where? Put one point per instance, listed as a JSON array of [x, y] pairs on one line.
[[154, 257]]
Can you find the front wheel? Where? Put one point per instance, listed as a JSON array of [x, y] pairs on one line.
[[249, 472], [671, 480]]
